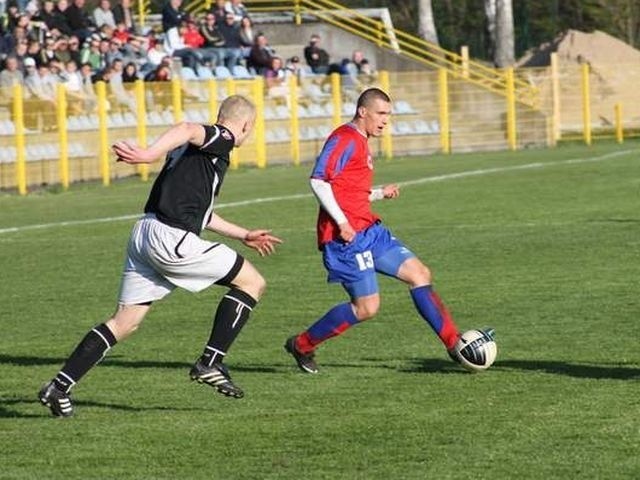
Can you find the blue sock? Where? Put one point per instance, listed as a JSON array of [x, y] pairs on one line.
[[333, 323], [434, 312]]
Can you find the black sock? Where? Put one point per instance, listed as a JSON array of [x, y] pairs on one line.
[[93, 347], [232, 314]]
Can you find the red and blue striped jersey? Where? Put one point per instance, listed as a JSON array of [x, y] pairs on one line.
[[346, 163]]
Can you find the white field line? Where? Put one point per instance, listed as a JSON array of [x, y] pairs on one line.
[[253, 201]]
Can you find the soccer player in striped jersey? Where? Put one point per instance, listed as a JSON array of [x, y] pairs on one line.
[[166, 251], [355, 244]]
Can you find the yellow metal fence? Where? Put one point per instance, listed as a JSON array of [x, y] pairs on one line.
[[66, 141]]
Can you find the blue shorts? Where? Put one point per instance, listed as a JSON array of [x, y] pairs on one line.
[[355, 264]]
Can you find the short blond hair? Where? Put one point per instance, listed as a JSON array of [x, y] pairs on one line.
[[236, 108]]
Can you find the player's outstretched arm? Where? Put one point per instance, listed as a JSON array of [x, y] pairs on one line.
[[174, 137], [260, 240], [386, 192]]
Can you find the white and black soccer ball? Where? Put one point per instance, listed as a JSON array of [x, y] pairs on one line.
[[476, 350]]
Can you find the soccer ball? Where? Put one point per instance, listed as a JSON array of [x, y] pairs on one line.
[[476, 350]]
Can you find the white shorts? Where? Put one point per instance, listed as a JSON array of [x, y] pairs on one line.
[[161, 258]]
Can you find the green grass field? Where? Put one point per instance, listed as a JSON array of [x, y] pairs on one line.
[[543, 245]]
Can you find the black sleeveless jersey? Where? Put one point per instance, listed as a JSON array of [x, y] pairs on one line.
[[183, 194]]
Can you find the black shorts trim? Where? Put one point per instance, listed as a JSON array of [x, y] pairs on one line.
[[228, 278], [175, 250], [211, 248]]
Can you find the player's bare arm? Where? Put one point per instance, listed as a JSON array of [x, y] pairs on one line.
[[174, 137], [260, 240]]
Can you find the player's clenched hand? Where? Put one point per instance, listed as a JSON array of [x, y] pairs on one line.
[[262, 241], [347, 233], [130, 153], [391, 191]]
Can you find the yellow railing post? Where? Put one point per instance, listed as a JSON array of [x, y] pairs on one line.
[[261, 147], [213, 100], [296, 12], [555, 92], [387, 143], [231, 86], [141, 14], [511, 110], [336, 99], [586, 104], [295, 121], [464, 61], [619, 129], [443, 101], [21, 154], [379, 33], [176, 99], [101, 91], [141, 126], [61, 110]]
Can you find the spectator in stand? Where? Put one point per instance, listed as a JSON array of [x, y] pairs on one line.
[[11, 18], [237, 8], [78, 20], [219, 11], [172, 15], [115, 51], [53, 18], [247, 35], [135, 50], [40, 88], [20, 52], [48, 52], [293, 67], [73, 87], [359, 62], [213, 49], [192, 37], [121, 95], [261, 54], [175, 46], [230, 31], [11, 74], [121, 33], [276, 79], [62, 53], [33, 50], [74, 49], [317, 58], [89, 97], [155, 57], [60, 14], [130, 73], [123, 13], [103, 15], [92, 55]]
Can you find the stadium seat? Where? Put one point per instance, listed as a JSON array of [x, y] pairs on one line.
[[422, 127], [240, 71], [221, 72], [402, 107], [204, 73], [282, 111], [187, 73]]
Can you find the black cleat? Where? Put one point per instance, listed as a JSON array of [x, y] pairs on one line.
[[216, 376], [305, 361], [58, 401]]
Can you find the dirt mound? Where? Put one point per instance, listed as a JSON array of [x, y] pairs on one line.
[[573, 46]]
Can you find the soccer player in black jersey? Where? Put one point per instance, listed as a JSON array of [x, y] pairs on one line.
[[165, 250]]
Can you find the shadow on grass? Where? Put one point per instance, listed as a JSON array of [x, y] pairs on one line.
[[115, 361], [576, 370], [6, 410]]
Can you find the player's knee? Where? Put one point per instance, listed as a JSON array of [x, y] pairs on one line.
[[367, 310], [416, 274]]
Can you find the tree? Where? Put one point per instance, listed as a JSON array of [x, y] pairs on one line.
[[426, 23], [504, 54]]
